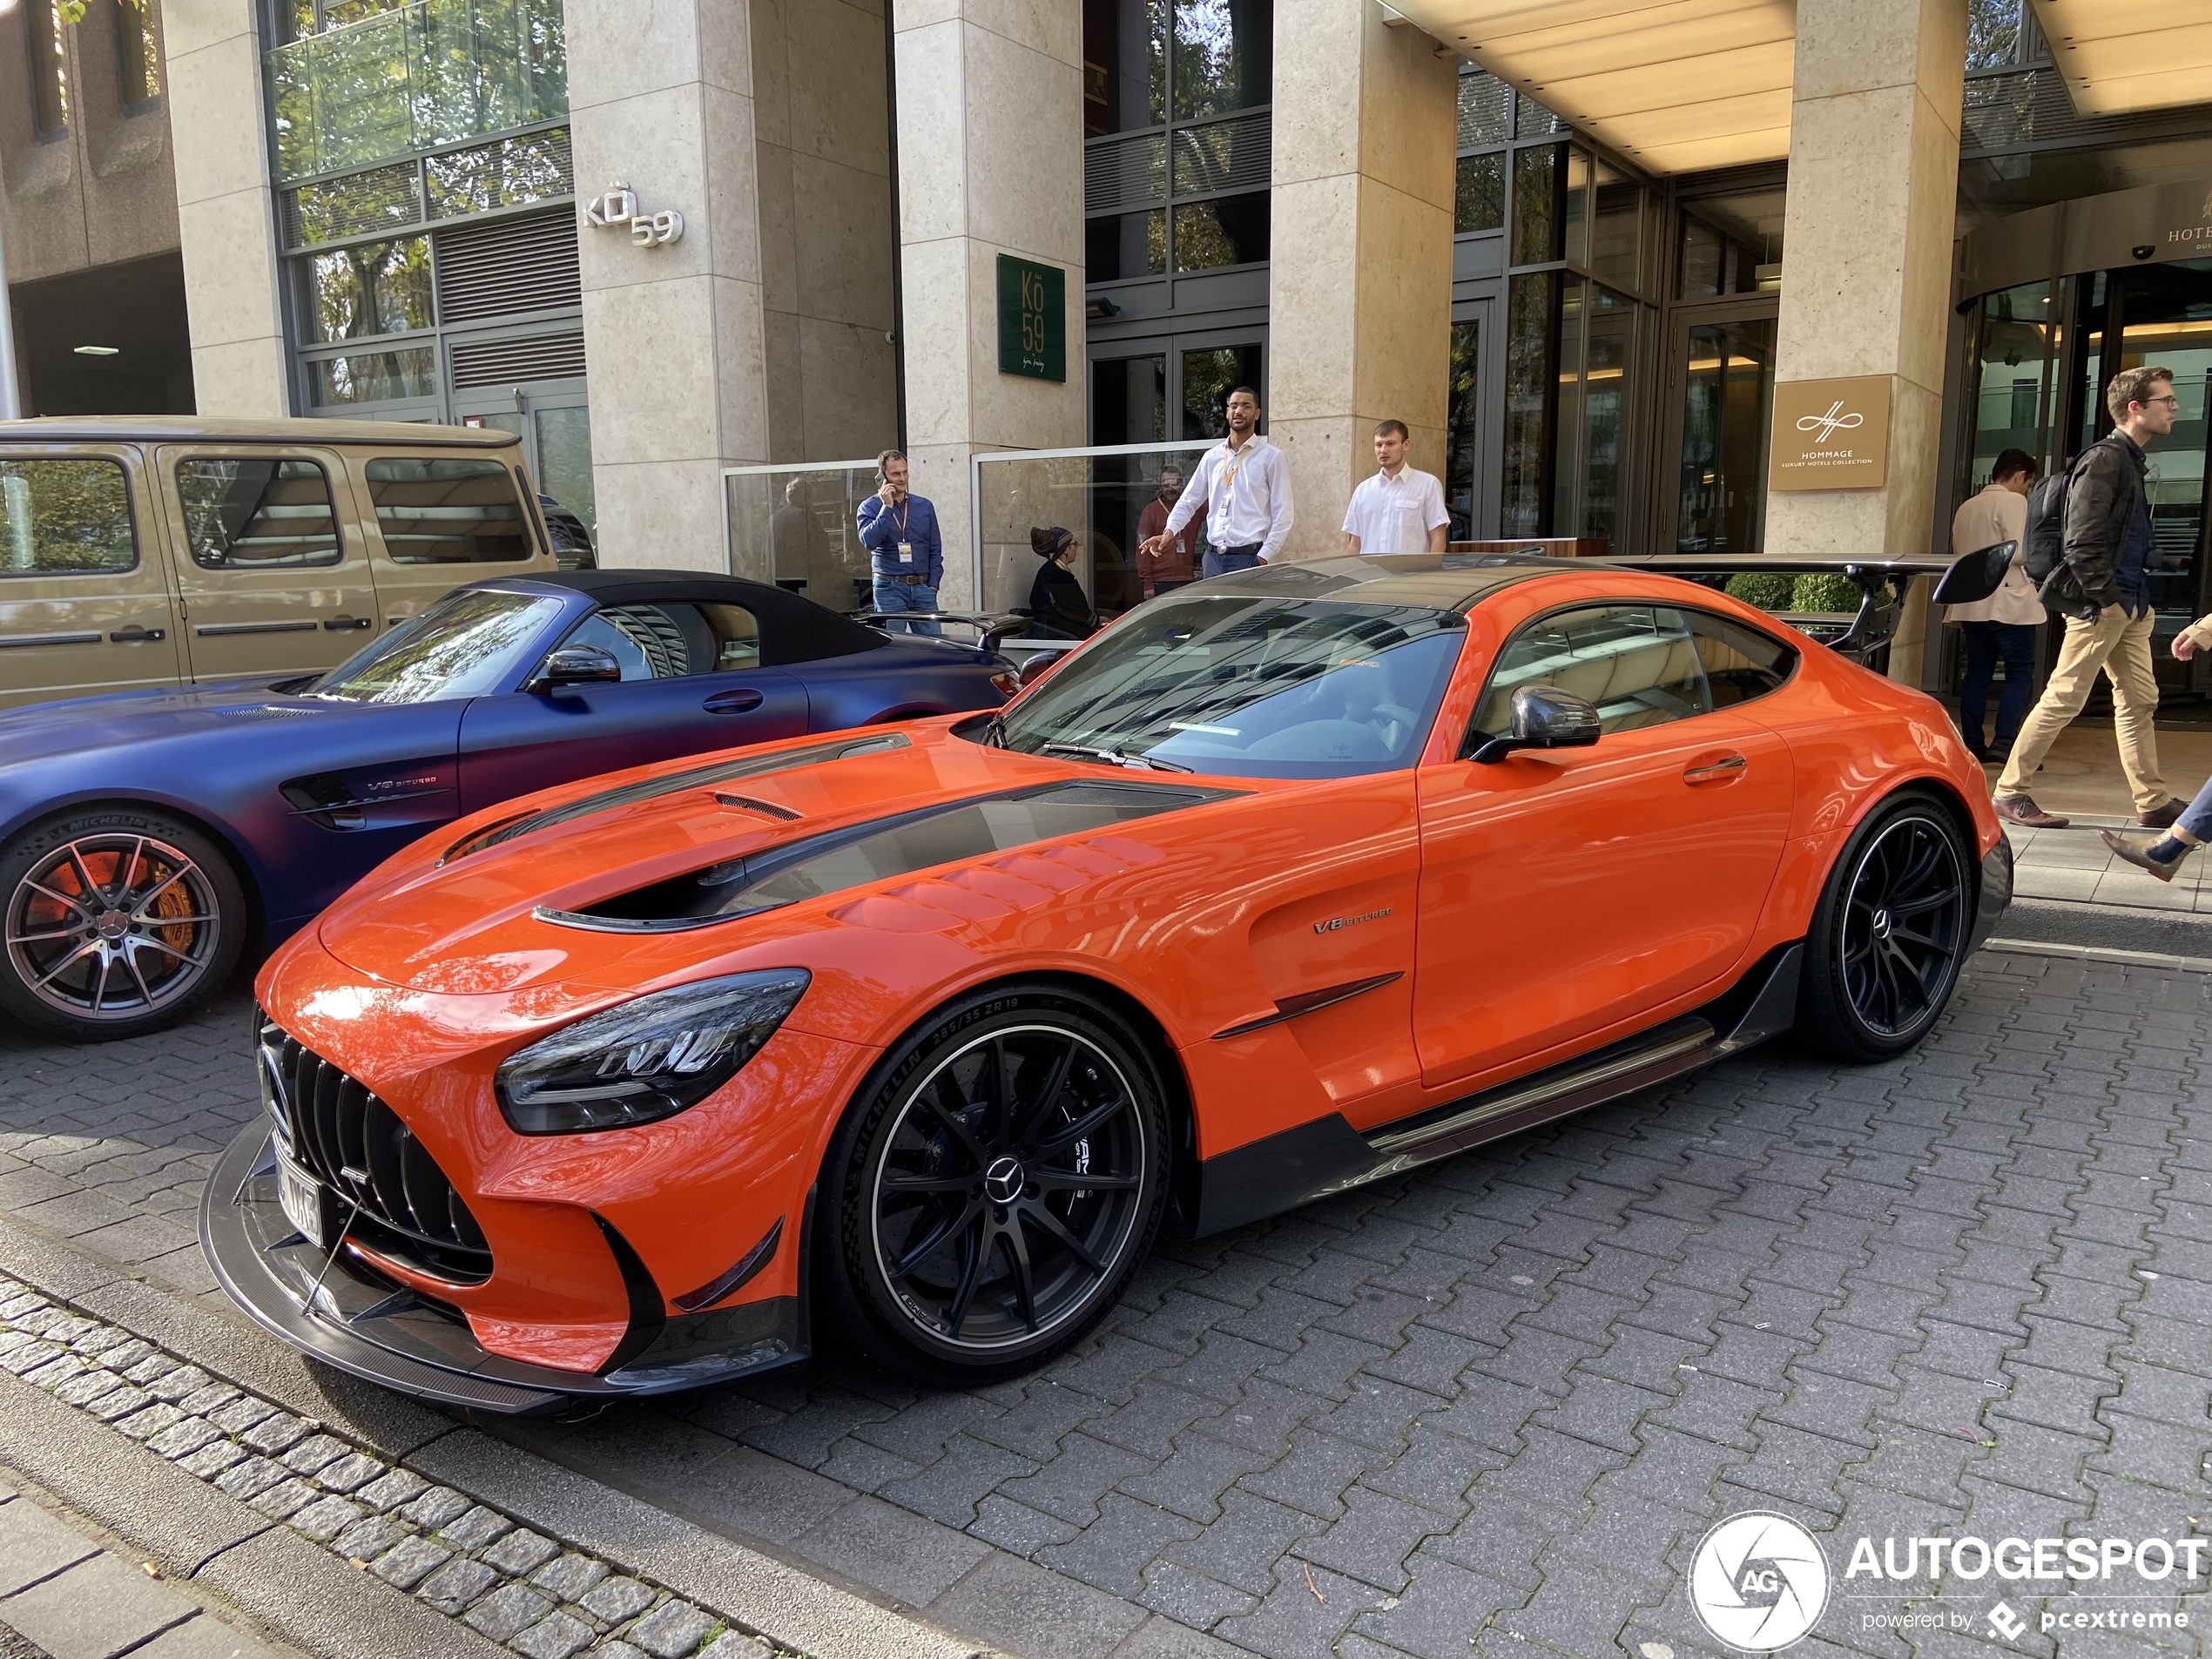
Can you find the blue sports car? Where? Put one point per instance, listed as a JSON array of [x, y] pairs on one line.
[[148, 837]]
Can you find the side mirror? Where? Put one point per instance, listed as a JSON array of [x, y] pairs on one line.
[[1042, 663], [573, 665], [1544, 718]]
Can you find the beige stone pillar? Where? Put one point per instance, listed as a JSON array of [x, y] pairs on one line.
[[990, 162], [225, 220], [660, 98], [1359, 279], [1866, 259]]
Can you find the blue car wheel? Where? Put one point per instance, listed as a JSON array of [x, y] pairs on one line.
[[117, 922]]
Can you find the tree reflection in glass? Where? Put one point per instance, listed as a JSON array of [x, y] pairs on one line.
[[371, 288]]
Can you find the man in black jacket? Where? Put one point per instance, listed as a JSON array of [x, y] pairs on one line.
[[2103, 590]]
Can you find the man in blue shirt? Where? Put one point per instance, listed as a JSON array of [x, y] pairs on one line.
[[905, 551]]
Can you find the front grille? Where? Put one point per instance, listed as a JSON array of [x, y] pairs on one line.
[[356, 1146]]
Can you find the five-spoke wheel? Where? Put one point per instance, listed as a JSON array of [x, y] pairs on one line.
[[995, 1193], [115, 923], [1891, 932]]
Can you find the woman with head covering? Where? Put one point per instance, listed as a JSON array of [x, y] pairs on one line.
[[1056, 601]]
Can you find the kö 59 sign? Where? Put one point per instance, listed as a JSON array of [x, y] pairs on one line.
[[618, 209]]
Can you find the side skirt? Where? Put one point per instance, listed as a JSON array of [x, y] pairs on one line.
[[1297, 1165]]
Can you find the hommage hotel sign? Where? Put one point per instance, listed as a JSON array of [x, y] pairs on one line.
[[1831, 434]]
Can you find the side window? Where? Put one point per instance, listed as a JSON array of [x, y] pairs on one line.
[[448, 512], [251, 514], [1740, 663], [1637, 663], [66, 518], [665, 642]]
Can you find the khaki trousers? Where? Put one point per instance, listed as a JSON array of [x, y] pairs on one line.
[[2120, 645]]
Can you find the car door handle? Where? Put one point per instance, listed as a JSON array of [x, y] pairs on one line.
[[137, 635], [733, 702], [1713, 771], [337, 624]]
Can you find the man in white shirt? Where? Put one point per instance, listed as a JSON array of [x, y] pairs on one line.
[[1244, 486], [1401, 509]]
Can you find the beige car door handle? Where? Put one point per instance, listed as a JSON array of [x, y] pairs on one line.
[[1713, 770]]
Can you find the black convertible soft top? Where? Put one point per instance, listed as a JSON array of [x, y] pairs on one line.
[[794, 629]]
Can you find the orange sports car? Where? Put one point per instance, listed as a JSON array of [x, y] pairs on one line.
[[1293, 880]]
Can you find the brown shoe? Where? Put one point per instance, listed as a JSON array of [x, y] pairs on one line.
[[2163, 816], [2138, 854], [2019, 809]]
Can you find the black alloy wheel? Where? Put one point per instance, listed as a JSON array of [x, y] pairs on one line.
[[1891, 935], [998, 1188], [116, 923]]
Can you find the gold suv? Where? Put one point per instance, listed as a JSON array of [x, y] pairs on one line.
[[138, 552]]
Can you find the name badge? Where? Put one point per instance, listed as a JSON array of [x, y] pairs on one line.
[[905, 552]]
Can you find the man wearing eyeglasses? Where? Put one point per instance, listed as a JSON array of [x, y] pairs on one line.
[[2102, 588]]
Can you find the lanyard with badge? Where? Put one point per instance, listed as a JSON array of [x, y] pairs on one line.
[[898, 517]]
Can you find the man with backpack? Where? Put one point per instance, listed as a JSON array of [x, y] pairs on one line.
[[2089, 544]]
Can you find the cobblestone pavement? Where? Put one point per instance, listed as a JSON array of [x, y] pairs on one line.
[[1492, 1406]]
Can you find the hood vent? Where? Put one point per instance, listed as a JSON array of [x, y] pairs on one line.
[[879, 850]]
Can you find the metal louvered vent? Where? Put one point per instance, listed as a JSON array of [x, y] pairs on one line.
[[505, 267], [358, 1147], [1223, 155], [2009, 111], [383, 198], [1121, 174], [510, 362]]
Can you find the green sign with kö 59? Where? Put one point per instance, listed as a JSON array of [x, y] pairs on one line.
[[1033, 320]]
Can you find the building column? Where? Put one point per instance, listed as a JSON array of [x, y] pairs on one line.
[[1360, 275], [660, 98], [1866, 279], [990, 162], [226, 223]]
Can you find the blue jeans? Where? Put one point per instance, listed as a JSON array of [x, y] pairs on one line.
[[1986, 642], [1220, 561], [907, 596]]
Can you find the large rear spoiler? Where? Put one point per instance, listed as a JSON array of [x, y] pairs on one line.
[[1882, 584]]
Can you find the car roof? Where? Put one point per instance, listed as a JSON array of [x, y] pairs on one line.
[[794, 629], [1434, 581], [195, 428]]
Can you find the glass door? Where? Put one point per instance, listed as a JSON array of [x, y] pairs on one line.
[[1470, 462], [555, 426], [1724, 365]]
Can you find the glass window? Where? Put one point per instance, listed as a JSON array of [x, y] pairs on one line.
[[1224, 56], [1208, 378], [1479, 200], [564, 463], [1740, 663], [46, 49], [1993, 33], [448, 512], [666, 642], [1533, 121], [1461, 424], [1125, 64], [373, 288], [1608, 399], [1252, 686], [2013, 351], [138, 63], [252, 515], [374, 377], [1486, 110], [1637, 664], [1617, 223], [1728, 407], [1230, 229], [468, 642], [1126, 244], [1732, 245], [1532, 385], [1539, 183], [1129, 400], [64, 518]]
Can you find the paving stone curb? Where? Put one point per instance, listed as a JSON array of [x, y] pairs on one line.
[[462, 1558]]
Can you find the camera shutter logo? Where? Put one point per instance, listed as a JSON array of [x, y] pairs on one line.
[[1759, 1582]]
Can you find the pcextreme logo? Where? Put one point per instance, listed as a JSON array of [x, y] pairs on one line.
[[1758, 1581]]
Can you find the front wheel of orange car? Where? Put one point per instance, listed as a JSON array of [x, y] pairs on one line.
[[1886, 945], [995, 1185]]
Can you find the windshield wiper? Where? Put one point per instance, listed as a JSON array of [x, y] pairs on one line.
[[1112, 757], [994, 732]]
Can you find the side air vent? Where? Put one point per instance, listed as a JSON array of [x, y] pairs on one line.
[[504, 268], [509, 362]]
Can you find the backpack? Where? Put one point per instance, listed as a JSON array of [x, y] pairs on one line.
[[2046, 549]]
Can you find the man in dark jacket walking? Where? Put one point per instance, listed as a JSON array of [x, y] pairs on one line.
[[2103, 590]]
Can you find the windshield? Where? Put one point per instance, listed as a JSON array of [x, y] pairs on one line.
[[464, 646], [1250, 686]]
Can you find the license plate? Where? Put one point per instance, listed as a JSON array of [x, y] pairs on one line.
[[300, 1195]]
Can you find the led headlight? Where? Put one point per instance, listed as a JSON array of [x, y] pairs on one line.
[[648, 1059]]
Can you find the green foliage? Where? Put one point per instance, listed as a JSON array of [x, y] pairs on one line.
[[1768, 590], [1826, 591]]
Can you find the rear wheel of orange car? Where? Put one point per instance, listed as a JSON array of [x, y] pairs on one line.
[[995, 1185], [117, 922], [1886, 945]]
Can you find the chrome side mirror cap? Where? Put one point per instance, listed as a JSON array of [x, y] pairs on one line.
[[1544, 718], [573, 665]]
